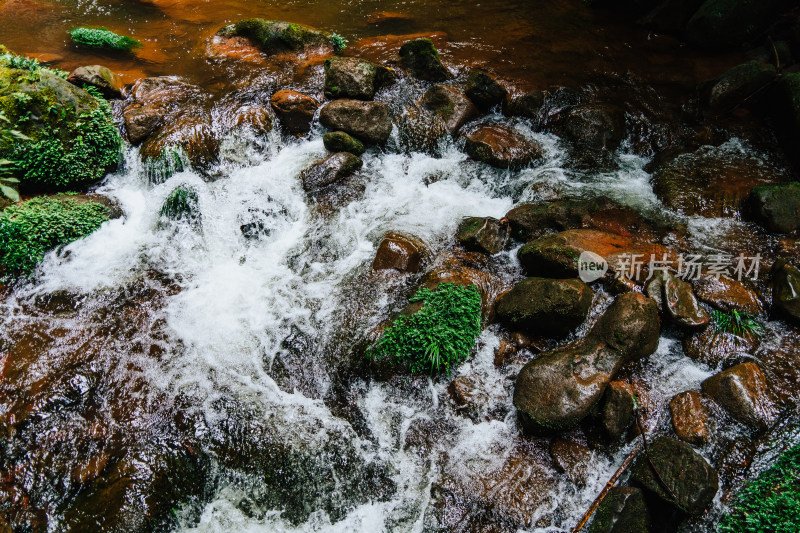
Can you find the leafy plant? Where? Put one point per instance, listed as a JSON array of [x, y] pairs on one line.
[[103, 38], [28, 230], [7, 166], [28, 63], [339, 43], [771, 502], [439, 335], [741, 324]]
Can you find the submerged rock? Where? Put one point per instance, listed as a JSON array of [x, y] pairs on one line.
[[353, 77], [742, 391], [560, 388], [690, 478], [422, 59], [295, 110], [689, 417], [594, 132], [484, 90], [623, 510], [274, 36], [330, 170], [502, 147], [553, 307], [401, 252], [526, 104], [571, 459], [339, 141], [451, 105], [99, 77], [370, 122], [777, 207], [486, 235], [786, 289]]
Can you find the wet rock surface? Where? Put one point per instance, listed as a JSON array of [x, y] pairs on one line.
[[99, 77], [502, 147], [691, 481], [352, 77], [330, 170], [742, 391], [485, 235], [786, 289], [369, 122], [777, 207], [623, 510], [451, 105], [689, 417], [400, 252], [422, 59], [484, 90], [339, 141], [295, 110]]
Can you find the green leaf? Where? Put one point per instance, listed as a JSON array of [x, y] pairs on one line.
[[9, 193]]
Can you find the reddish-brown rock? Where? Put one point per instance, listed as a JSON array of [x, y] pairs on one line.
[[401, 252], [689, 417], [295, 110]]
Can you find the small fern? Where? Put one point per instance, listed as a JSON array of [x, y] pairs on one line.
[[438, 336], [741, 324], [339, 43]]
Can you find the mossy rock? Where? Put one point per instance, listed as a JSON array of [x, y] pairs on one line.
[[30, 229], [274, 36], [182, 204], [339, 141], [623, 511], [71, 138], [422, 59], [103, 39], [777, 207]]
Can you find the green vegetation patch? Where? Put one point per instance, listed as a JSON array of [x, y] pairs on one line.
[[55, 136], [771, 502], [275, 35], [438, 336], [181, 204], [28, 230], [103, 38], [741, 324]]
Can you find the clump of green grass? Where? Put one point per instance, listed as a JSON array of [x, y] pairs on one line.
[[741, 324], [438, 336], [181, 204], [103, 38], [771, 502], [30, 64], [28, 230], [339, 43]]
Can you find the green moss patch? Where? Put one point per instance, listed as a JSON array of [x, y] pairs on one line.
[[28, 230], [771, 502], [103, 38], [274, 35], [181, 204], [438, 336]]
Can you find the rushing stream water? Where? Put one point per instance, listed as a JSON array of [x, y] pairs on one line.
[[191, 344]]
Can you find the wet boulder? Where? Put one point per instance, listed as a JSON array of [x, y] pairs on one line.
[[401, 252], [712, 181], [326, 171], [141, 122], [295, 110], [786, 289], [678, 299], [738, 84], [727, 294], [485, 235], [549, 306], [526, 104], [502, 147], [777, 207], [556, 255], [157, 102], [339, 141], [449, 104], [593, 131], [529, 221], [715, 347], [618, 410], [353, 77], [560, 388], [742, 391], [421, 58], [484, 90], [692, 482], [369, 122], [101, 78], [274, 36], [727, 23], [467, 395], [623, 510], [689, 417], [188, 140]]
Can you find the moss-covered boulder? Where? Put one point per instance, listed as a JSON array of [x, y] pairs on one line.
[[692, 482], [777, 207], [30, 229], [370, 122], [69, 135], [101, 78], [552, 307], [451, 105], [275, 36], [353, 77], [421, 58], [485, 235], [183, 203], [726, 23], [339, 141], [738, 84]]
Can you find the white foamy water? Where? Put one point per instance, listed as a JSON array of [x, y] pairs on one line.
[[239, 298]]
